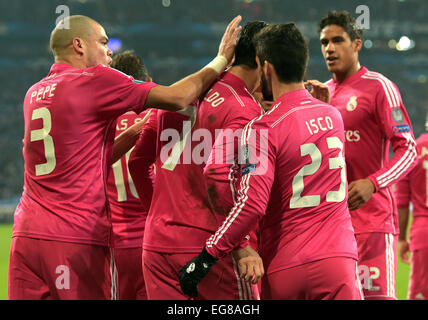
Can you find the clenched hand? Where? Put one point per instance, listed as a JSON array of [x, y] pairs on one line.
[[359, 192]]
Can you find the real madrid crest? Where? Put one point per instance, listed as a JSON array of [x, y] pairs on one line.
[[352, 104]]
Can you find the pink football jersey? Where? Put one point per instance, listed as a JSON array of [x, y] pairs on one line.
[[413, 188], [68, 139], [296, 187], [141, 161], [374, 117], [181, 216], [127, 214]]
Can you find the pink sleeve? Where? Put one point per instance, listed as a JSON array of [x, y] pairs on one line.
[[141, 161], [402, 192], [222, 172], [118, 92], [252, 195], [392, 116]]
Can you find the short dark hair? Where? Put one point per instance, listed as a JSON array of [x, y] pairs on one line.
[[342, 19], [245, 51], [284, 46], [131, 64]]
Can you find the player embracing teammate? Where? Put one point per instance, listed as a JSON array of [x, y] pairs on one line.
[[372, 117], [320, 192]]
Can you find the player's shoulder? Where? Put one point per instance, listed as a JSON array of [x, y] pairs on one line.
[[34, 87], [332, 111], [377, 80], [378, 85], [102, 69], [108, 74], [280, 112], [270, 117], [239, 95]]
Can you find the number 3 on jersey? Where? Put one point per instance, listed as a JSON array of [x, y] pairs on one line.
[[43, 135], [299, 201]]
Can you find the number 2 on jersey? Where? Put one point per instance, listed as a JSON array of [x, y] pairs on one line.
[[43, 135], [299, 201]]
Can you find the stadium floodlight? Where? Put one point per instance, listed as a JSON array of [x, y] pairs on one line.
[[114, 44], [368, 44], [392, 44], [405, 43]]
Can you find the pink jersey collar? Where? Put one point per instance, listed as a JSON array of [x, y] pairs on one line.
[[59, 67], [352, 78]]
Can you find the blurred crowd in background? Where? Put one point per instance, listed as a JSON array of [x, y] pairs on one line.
[[177, 37]]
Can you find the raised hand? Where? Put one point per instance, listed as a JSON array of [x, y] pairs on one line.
[[228, 41]]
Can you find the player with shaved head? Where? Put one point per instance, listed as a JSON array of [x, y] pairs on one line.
[[62, 228], [81, 29]]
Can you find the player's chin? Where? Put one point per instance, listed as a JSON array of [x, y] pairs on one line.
[[333, 68]]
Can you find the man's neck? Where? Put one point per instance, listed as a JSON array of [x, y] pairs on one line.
[[340, 77], [279, 88], [71, 62], [249, 76]]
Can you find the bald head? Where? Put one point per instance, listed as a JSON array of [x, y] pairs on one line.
[[78, 27], [80, 42]]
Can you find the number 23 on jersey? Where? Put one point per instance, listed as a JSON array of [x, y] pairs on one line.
[[299, 201]]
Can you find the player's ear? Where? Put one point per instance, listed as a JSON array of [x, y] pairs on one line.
[[358, 44], [149, 79], [77, 44], [258, 62], [268, 68]]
